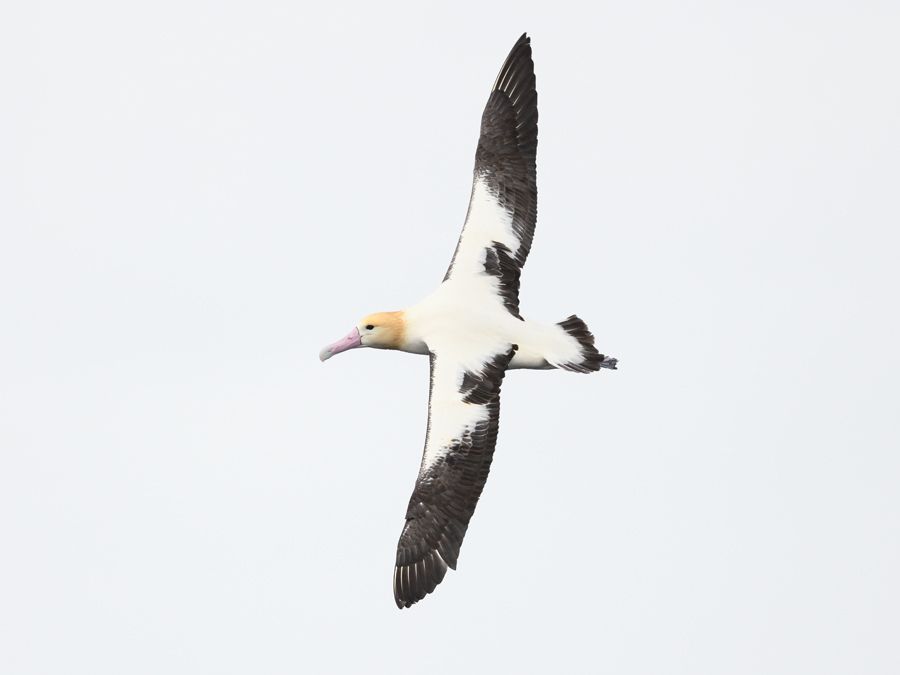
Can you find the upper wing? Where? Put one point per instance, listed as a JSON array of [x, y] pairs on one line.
[[503, 205], [463, 414]]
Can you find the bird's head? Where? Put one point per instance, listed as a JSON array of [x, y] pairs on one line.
[[382, 330]]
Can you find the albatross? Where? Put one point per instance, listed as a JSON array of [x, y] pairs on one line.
[[472, 332]]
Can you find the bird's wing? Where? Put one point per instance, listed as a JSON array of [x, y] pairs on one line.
[[463, 414], [503, 207]]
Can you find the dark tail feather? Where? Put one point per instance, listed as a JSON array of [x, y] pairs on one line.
[[591, 360]]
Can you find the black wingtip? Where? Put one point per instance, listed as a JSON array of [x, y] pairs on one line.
[[518, 59], [516, 83], [412, 582]]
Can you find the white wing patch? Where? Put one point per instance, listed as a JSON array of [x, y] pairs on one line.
[[486, 222], [450, 417]]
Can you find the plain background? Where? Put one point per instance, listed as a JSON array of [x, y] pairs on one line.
[[197, 196]]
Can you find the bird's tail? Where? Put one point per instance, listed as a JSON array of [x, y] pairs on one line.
[[589, 359]]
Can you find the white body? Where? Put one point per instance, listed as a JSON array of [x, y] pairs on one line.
[[464, 315]]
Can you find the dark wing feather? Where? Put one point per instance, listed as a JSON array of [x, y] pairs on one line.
[[505, 162], [449, 486]]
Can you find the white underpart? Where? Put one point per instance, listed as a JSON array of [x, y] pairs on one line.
[[467, 340], [465, 324]]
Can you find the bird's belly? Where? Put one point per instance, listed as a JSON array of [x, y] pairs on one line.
[[449, 318], [530, 360], [536, 341]]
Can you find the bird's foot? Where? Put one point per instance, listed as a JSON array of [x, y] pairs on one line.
[[608, 362]]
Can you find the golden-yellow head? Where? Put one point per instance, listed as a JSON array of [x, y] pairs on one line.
[[382, 330]]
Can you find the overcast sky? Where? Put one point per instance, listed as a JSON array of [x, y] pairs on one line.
[[195, 197]]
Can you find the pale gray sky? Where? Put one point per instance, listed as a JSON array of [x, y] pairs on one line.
[[197, 196]]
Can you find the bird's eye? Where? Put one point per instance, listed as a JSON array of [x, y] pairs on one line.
[[369, 327]]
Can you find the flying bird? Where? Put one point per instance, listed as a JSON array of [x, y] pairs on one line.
[[471, 330]]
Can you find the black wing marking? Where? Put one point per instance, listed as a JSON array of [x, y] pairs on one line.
[[505, 162], [449, 486]]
